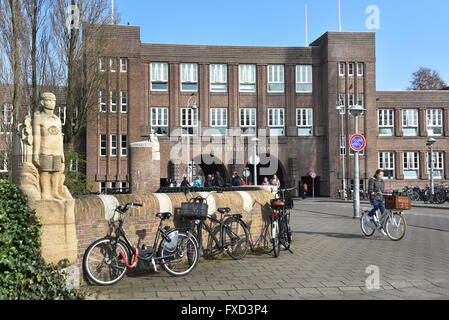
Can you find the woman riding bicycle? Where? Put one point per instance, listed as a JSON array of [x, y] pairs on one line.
[[376, 186]]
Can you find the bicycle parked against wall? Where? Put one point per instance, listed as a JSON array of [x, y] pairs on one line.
[[107, 260], [231, 235], [280, 221]]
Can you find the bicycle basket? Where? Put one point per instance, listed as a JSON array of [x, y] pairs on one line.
[[193, 210], [398, 202]]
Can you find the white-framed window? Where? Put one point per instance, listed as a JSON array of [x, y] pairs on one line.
[[159, 120], [351, 99], [342, 145], [124, 145], [438, 164], [103, 100], [304, 121], [386, 162], [276, 78], [189, 76], [189, 121], [6, 113], [74, 165], [102, 64], [341, 99], [103, 145], [351, 69], [411, 165], [113, 64], [113, 146], [219, 120], [303, 78], [62, 114], [218, 77], [123, 64], [3, 161], [247, 78], [247, 121], [113, 100], [361, 99], [159, 76], [385, 121], [102, 187], [276, 121], [124, 186], [360, 69], [124, 101], [342, 69], [410, 122], [434, 122]]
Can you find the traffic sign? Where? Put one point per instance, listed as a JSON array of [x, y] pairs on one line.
[[312, 174], [357, 142]]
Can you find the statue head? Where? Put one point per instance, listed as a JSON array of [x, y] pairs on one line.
[[48, 100]]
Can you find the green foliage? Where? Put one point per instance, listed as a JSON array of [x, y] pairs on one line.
[[23, 273], [75, 178]]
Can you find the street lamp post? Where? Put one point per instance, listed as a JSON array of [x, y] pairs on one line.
[[191, 103], [430, 143], [356, 110], [342, 111]]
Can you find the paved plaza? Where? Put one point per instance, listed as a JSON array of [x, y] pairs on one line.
[[331, 260]]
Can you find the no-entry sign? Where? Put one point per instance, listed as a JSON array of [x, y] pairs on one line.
[[357, 142]]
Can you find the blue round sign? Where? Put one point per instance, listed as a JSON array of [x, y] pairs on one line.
[[357, 142]]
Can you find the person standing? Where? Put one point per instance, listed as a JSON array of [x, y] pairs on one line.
[[218, 180], [236, 180], [198, 182], [209, 181]]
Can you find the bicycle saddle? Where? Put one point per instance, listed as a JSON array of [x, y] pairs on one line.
[[163, 215], [278, 203], [224, 210]]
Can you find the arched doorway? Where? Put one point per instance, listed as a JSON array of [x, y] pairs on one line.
[[209, 164], [268, 167]]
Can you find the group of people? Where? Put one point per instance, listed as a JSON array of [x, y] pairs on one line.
[[212, 180], [275, 182]]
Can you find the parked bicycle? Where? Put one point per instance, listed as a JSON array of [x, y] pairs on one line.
[[107, 260], [281, 232], [392, 221], [231, 235]]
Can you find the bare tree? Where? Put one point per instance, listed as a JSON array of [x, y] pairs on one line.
[[426, 79]]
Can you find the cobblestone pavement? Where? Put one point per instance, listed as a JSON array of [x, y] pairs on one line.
[[331, 260]]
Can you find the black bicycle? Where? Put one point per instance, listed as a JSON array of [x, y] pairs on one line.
[[107, 260], [281, 232], [230, 235]]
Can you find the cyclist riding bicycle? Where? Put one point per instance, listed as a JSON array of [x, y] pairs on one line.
[[376, 186]]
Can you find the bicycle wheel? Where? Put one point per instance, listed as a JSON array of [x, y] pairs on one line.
[[395, 226], [183, 258], [366, 229], [103, 263], [275, 237], [236, 240]]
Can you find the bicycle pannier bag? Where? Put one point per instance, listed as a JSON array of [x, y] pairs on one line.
[[398, 202]]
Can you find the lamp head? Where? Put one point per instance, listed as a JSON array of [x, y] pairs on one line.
[[430, 142], [356, 110]]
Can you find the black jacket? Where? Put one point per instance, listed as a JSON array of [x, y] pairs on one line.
[[374, 185]]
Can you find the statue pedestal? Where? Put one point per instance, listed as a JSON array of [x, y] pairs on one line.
[[145, 168]]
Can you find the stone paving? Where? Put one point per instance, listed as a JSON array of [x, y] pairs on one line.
[[330, 261]]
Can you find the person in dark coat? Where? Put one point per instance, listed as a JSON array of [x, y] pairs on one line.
[[236, 180], [218, 180], [209, 181], [185, 183]]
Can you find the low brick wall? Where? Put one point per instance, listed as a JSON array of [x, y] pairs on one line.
[[141, 224]]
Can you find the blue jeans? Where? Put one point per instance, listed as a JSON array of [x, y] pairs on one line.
[[376, 205]]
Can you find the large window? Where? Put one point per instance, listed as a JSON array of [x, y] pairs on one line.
[[159, 120], [103, 100], [385, 121], [103, 145], [247, 78], [123, 64], [218, 77], [438, 164], [351, 69], [189, 77], [342, 69], [410, 122], [434, 122], [276, 120], [360, 69], [276, 78], [159, 76], [248, 121], [6, 114], [411, 165], [124, 101], [219, 120], [113, 64], [124, 145], [189, 121], [113, 145], [304, 78], [102, 64], [113, 101], [304, 121], [386, 162]]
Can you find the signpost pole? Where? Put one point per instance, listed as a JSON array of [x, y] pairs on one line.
[[356, 177]]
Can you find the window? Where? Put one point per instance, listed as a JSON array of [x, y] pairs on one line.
[[385, 122], [361, 99], [113, 64], [341, 99], [159, 120], [103, 145], [123, 64], [434, 122], [103, 187], [219, 120], [123, 145], [303, 78], [247, 78], [124, 186], [342, 69], [276, 78], [189, 121], [276, 121], [103, 101], [189, 77], [113, 96], [342, 145], [113, 145], [386, 162], [218, 77], [74, 165], [438, 164], [248, 121], [102, 64], [159, 76], [62, 114], [3, 161], [410, 122], [360, 67], [7, 114], [411, 165], [304, 121], [124, 101], [351, 69], [351, 99]]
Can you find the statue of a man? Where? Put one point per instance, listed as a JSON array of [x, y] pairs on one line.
[[48, 150]]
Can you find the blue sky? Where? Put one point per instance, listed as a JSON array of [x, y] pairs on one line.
[[411, 33]]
